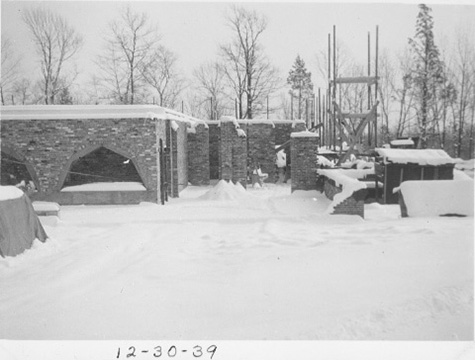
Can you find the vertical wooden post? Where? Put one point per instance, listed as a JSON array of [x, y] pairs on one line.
[[211, 112], [334, 88], [267, 108], [376, 88], [369, 87], [291, 107], [306, 112]]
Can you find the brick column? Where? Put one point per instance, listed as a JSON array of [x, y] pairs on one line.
[[198, 155], [172, 144], [261, 147], [304, 149], [233, 154]]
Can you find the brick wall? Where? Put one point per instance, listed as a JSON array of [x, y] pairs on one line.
[[199, 155], [182, 160], [353, 205], [261, 148], [49, 145], [282, 130], [304, 162], [262, 136], [214, 138]]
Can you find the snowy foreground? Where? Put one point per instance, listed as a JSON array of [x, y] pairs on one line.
[[226, 264]]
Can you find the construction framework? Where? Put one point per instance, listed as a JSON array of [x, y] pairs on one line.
[[345, 126]]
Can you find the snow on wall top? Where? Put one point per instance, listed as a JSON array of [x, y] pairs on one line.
[[433, 157], [305, 133], [71, 112], [254, 121], [347, 180]]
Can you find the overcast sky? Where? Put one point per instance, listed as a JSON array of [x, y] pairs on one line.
[[193, 30]]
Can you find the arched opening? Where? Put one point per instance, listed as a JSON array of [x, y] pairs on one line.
[[103, 168], [16, 171]]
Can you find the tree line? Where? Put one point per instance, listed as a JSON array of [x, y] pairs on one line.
[[425, 93]]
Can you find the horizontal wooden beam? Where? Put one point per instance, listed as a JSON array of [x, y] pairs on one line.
[[370, 80]]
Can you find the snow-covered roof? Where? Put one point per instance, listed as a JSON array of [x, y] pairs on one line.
[[71, 112], [433, 157]]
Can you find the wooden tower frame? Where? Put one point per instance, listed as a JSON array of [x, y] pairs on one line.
[[351, 126]]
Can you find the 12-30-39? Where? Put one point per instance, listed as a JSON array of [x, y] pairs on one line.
[[170, 352]]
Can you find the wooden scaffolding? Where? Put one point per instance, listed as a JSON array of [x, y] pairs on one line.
[[352, 127]]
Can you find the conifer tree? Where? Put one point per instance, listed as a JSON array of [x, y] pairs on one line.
[[300, 81], [427, 70]]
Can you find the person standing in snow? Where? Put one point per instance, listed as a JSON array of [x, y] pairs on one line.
[[280, 161]]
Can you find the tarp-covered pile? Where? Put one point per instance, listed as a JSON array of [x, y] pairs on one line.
[[19, 224]]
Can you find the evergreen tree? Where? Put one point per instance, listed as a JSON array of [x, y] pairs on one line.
[[427, 70], [300, 81], [65, 97]]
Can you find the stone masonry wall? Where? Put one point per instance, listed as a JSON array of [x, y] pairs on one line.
[[48, 145], [304, 162], [199, 156]]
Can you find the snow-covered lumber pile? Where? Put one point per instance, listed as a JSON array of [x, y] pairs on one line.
[[436, 198]]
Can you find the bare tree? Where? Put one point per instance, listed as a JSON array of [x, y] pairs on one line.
[[128, 46], [210, 79], [22, 90], [250, 73], [463, 79], [161, 73], [56, 42], [9, 68]]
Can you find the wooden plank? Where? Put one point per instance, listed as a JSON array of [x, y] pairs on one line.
[[355, 115], [369, 80]]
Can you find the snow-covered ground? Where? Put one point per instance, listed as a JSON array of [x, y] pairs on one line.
[[227, 264]]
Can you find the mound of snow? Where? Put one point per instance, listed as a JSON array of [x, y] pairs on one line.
[[438, 197], [224, 191], [10, 192], [465, 164]]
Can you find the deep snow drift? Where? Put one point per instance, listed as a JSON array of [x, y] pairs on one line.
[[229, 264]]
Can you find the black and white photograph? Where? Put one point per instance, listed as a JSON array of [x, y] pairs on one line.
[[178, 178]]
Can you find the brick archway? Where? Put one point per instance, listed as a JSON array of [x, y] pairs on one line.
[[91, 148], [10, 151]]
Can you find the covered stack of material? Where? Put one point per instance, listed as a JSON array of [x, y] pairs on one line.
[[19, 224]]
